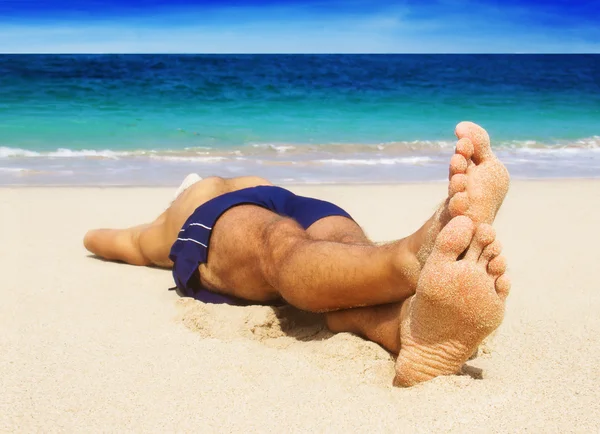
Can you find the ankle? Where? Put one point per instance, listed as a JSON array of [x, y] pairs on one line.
[[423, 240], [406, 263]]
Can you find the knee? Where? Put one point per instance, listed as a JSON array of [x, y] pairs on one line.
[[280, 239], [89, 240], [284, 243], [215, 183], [209, 187], [256, 180], [246, 182]]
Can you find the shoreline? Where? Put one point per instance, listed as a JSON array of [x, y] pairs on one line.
[[292, 184]]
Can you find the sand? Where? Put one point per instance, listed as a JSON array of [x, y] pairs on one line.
[[93, 346]]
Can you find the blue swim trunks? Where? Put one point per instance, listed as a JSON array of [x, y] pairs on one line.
[[191, 247]]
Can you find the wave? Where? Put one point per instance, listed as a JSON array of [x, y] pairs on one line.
[[31, 171], [377, 161], [395, 152], [17, 152], [13, 169], [6, 152], [199, 159]]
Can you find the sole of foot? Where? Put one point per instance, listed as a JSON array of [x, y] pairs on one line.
[[459, 301], [478, 184], [478, 180]]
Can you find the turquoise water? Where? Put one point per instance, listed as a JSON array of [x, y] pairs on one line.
[[150, 119]]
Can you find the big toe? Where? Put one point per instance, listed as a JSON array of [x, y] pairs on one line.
[[478, 136], [452, 241]]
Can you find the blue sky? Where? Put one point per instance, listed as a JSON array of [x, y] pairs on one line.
[[311, 26]]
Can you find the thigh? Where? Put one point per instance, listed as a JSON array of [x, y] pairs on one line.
[[236, 247], [237, 244]]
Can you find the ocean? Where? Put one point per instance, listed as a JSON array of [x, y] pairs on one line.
[[152, 119]]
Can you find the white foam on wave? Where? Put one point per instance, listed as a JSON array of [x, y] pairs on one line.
[[417, 144], [376, 161], [283, 148], [279, 148], [13, 169], [198, 159], [69, 153], [399, 152], [19, 171], [17, 152], [6, 152], [586, 143], [558, 151]]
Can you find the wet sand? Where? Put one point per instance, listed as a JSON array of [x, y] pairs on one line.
[[88, 345]]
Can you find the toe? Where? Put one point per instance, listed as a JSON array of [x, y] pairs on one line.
[[497, 266], [458, 184], [503, 286], [458, 164], [452, 241], [484, 236], [478, 136], [459, 204], [490, 252], [465, 148]]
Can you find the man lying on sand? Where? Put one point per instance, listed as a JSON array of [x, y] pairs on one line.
[[431, 297]]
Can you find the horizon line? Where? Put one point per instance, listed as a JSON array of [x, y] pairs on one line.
[[298, 53]]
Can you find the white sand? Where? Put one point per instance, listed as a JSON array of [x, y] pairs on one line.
[[90, 346]]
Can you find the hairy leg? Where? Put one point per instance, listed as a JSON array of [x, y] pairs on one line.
[[322, 273], [258, 255], [380, 323], [478, 184], [150, 244]]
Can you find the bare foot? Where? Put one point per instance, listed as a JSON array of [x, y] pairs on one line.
[[478, 180], [478, 184], [457, 304]]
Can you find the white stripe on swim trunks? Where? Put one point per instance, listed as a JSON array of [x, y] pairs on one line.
[[197, 224], [200, 224], [193, 241]]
